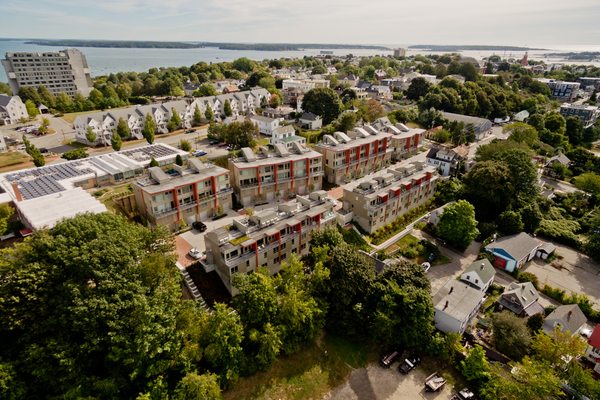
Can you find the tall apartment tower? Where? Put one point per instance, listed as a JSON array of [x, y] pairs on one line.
[[65, 71]]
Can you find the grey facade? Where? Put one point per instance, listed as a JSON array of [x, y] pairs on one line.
[[65, 71], [587, 114]]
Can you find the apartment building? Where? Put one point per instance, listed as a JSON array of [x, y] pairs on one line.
[[104, 123], [357, 153], [183, 194], [276, 172], [379, 200], [304, 85], [45, 195], [268, 237], [405, 141], [560, 90], [12, 109], [587, 114], [65, 71]]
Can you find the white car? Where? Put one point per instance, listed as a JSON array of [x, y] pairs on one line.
[[195, 253], [426, 266]]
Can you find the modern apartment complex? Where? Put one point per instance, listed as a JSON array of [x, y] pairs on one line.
[[587, 114], [560, 90], [43, 196], [357, 153], [104, 123], [267, 238], [183, 194], [379, 200], [276, 172], [304, 85], [405, 141], [12, 109], [65, 71]]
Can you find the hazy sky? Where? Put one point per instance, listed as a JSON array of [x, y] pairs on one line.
[[510, 22]]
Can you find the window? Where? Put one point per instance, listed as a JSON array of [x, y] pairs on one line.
[[233, 270]]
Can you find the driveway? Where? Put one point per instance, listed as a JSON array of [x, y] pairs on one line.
[[377, 383], [578, 274]]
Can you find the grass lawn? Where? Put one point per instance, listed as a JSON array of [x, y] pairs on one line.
[[308, 374], [12, 158], [413, 249], [107, 195], [262, 142], [352, 237]]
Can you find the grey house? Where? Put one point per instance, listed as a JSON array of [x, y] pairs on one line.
[[567, 317]]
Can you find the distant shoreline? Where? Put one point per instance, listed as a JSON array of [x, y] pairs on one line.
[[139, 44], [433, 47]]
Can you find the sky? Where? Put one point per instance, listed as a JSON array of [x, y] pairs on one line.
[[388, 22]]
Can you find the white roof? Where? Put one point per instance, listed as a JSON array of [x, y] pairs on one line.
[[47, 211]]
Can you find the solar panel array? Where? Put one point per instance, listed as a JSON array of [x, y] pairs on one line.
[[44, 181], [148, 152]]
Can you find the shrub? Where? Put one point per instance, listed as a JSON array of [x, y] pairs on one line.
[[75, 154], [528, 277]]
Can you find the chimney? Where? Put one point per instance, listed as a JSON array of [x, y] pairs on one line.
[[15, 187], [482, 265], [569, 315]]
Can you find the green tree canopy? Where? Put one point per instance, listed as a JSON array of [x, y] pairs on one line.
[[324, 102], [116, 142], [123, 129], [149, 129], [198, 387], [418, 88], [457, 224], [510, 335]]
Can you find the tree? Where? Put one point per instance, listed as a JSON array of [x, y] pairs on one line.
[[75, 154], [510, 222], [475, 367], [178, 160], [557, 348], [370, 110], [227, 108], [198, 387], [149, 129], [90, 135], [510, 335], [418, 88], [351, 274], [535, 322], [522, 133], [403, 314], [6, 213], [345, 122], [208, 114], [448, 190], [67, 308], [555, 122], [526, 380], [38, 158], [222, 335], [574, 130], [116, 142], [5, 88], [457, 224], [174, 121], [43, 129], [206, 89], [32, 110], [324, 102], [243, 64], [197, 116], [588, 182], [185, 145], [327, 236], [241, 134], [123, 129], [153, 162]]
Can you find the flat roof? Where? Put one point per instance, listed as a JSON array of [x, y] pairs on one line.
[[274, 159], [189, 176], [47, 211], [355, 142]]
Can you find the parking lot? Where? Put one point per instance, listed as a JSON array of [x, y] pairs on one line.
[[377, 383]]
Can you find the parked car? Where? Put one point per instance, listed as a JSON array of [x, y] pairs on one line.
[[464, 394], [389, 358], [434, 382], [409, 364], [230, 147], [43, 150], [212, 142], [195, 253], [190, 130], [199, 153], [199, 226]]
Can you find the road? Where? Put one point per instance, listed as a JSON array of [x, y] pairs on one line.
[[558, 185]]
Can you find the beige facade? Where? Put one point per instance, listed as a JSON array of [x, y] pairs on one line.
[[385, 197], [355, 154], [190, 194], [65, 71], [404, 142], [267, 238], [275, 173]]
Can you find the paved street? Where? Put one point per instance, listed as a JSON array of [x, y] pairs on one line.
[[558, 185], [377, 383], [579, 273]]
